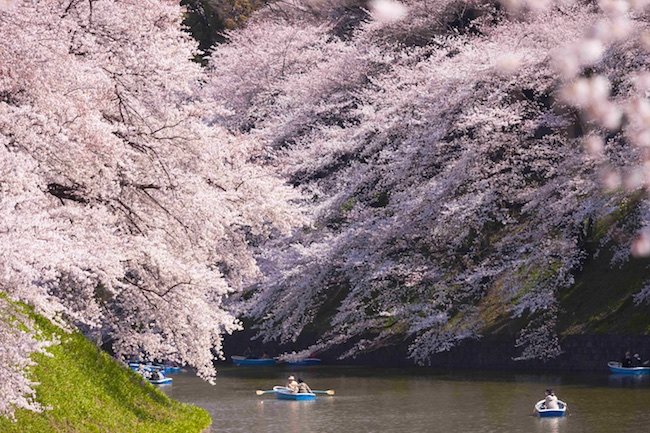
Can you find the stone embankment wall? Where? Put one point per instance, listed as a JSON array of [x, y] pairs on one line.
[[581, 353]]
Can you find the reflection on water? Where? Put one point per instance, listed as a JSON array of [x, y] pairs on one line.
[[401, 401], [629, 380], [550, 425]]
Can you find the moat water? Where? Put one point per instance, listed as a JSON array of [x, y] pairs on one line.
[[417, 400]]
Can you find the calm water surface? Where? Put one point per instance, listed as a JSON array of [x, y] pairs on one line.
[[397, 400]]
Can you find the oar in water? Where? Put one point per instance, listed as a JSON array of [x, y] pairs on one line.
[[260, 392], [328, 392]]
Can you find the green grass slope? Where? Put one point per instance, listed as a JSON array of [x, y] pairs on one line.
[[89, 391]]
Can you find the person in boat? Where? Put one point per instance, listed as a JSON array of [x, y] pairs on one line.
[[158, 375], [265, 355], [627, 361], [550, 402], [143, 372], [302, 386], [292, 385]]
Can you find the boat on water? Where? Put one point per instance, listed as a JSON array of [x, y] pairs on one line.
[[283, 393], [252, 362], [154, 376], [162, 381], [540, 408], [304, 362], [617, 368], [165, 369], [171, 369]]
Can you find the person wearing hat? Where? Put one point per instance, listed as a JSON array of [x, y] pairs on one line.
[[292, 385]]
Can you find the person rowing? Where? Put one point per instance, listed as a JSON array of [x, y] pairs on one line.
[[292, 385]]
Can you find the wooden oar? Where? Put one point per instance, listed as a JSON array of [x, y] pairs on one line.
[[260, 392], [328, 392]]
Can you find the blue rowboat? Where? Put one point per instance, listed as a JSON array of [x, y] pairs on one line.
[[168, 369], [548, 413], [305, 361], [165, 369], [149, 375], [616, 368], [252, 362], [283, 393], [162, 381], [146, 367]]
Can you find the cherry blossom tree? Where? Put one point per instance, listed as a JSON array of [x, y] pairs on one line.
[[604, 75], [439, 161], [19, 342], [123, 212]]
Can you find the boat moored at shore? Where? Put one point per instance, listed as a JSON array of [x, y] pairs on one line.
[[617, 368], [252, 362]]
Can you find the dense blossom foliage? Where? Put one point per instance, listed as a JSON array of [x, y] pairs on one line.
[[440, 159], [19, 342], [613, 99], [121, 211], [437, 146]]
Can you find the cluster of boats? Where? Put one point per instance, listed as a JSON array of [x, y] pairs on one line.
[[265, 362], [153, 372], [157, 374]]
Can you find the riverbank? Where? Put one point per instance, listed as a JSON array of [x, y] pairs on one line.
[[88, 391], [588, 353]]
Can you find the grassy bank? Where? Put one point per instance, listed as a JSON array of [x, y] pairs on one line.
[[90, 392]]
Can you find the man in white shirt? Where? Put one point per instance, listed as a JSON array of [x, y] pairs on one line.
[[292, 385], [550, 402]]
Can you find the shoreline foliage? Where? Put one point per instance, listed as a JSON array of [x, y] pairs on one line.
[[122, 212], [440, 159]]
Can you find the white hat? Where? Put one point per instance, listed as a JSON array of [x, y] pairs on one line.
[[291, 378]]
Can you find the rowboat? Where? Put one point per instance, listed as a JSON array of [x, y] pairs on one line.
[[304, 361], [616, 368], [165, 369], [283, 393], [547, 413], [170, 369], [162, 381], [252, 362]]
